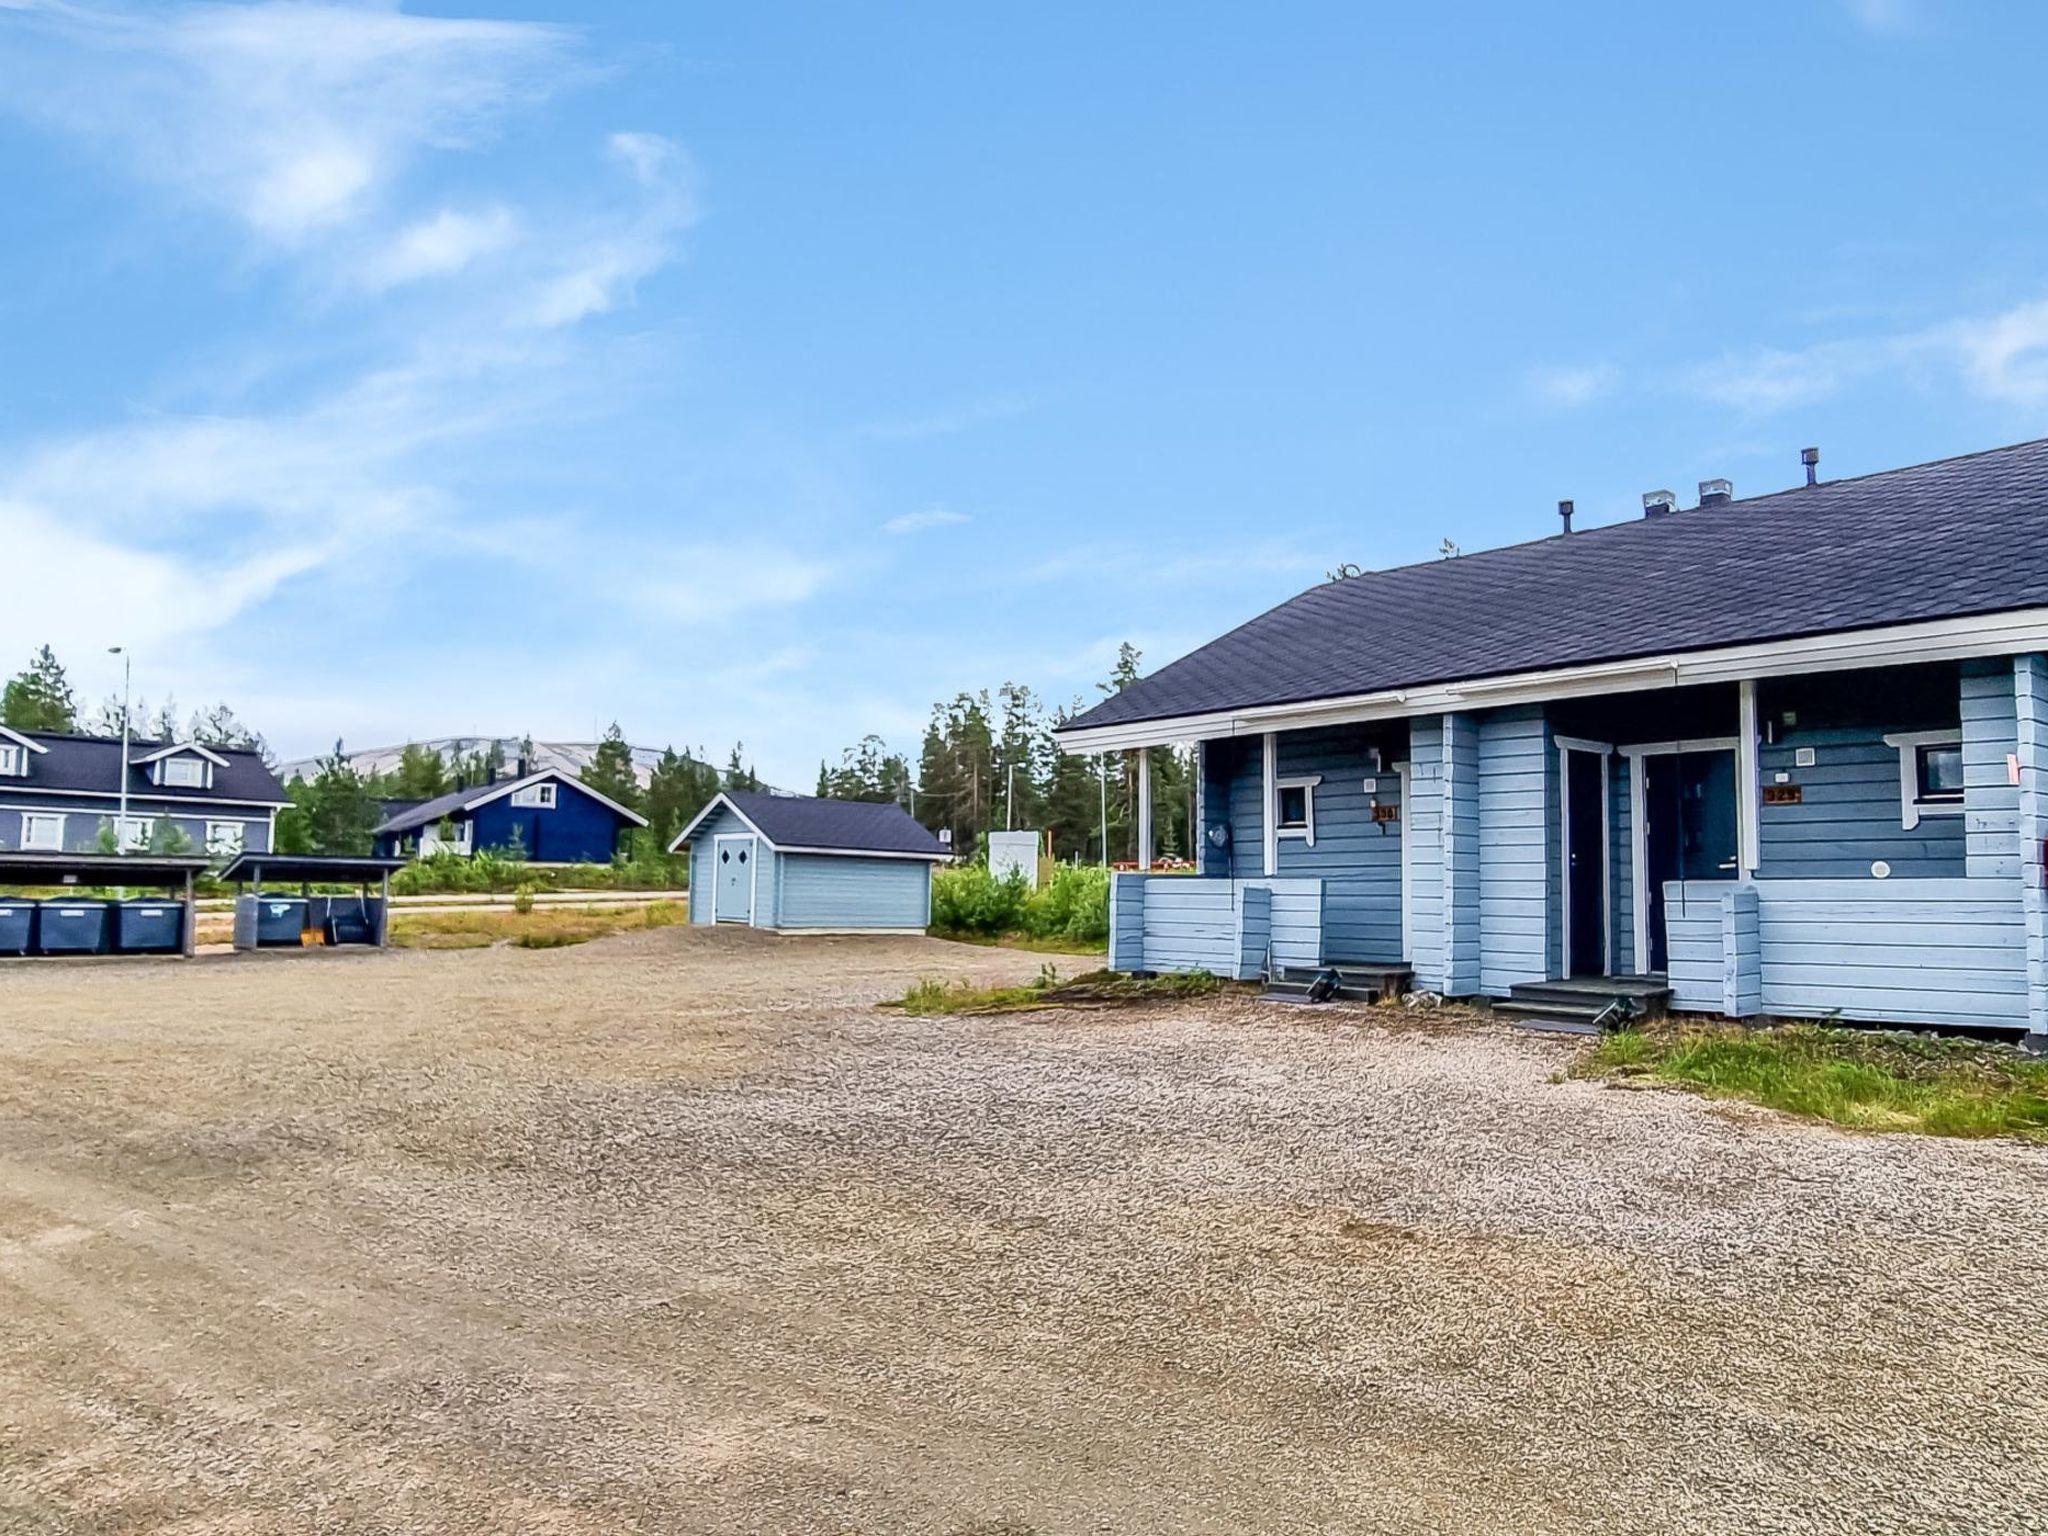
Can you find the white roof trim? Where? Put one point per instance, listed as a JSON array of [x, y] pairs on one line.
[[872, 853], [20, 740], [499, 791], [177, 747], [1996, 634], [704, 815]]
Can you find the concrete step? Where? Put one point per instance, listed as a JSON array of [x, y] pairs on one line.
[[1355, 983], [1569, 1018]]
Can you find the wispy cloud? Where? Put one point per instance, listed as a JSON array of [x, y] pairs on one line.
[[293, 118], [918, 522], [706, 583], [947, 422], [1884, 16], [1573, 386], [439, 246], [2000, 357]]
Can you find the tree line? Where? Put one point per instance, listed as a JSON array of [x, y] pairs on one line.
[[988, 762]]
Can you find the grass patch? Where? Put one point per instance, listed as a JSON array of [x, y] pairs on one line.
[[542, 928], [1860, 1079], [932, 997], [1017, 939]]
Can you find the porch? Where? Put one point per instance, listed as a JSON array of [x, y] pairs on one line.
[[1862, 845]]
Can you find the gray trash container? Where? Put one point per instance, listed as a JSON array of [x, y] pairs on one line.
[[280, 920], [71, 927], [17, 927], [150, 927]]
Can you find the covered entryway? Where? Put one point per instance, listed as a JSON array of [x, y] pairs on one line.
[[1584, 802], [733, 891], [1688, 828]]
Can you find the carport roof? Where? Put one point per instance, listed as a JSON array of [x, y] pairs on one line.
[[308, 866], [166, 871]]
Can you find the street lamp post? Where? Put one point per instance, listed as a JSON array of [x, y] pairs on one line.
[[127, 678]]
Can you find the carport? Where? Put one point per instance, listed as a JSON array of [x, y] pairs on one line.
[[139, 871], [262, 921]]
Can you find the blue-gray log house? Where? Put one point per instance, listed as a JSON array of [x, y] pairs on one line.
[[1788, 754]]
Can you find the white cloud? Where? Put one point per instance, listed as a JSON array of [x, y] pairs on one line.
[[1571, 387], [931, 517], [440, 246], [598, 270], [293, 118], [945, 423], [1886, 16], [2005, 356], [1773, 379], [708, 583]]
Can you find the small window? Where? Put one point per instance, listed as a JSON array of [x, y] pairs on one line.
[[134, 832], [725, 855], [184, 772], [743, 855], [1940, 774], [10, 761], [1295, 809], [42, 833], [224, 839], [541, 796]]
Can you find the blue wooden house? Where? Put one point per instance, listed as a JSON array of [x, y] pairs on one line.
[[64, 794], [794, 862], [1779, 756], [550, 816]]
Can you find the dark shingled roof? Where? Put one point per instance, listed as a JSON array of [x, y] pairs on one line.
[[93, 763], [405, 815], [1943, 540], [856, 826]]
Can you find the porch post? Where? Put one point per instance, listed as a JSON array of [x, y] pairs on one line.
[[1749, 782], [1144, 811], [1269, 826], [1461, 855], [2030, 696]]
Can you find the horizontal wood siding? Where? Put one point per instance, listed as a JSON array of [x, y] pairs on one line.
[[2030, 688], [1517, 803], [1357, 859], [1255, 929], [1126, 922], [1299, 918], [1423, 827], [1741, 954], [1190, 924], [1461, 833], [1621, 867], [836, 891], [1225, 927], [1990, 799], [1692, 928], [1848, 815]]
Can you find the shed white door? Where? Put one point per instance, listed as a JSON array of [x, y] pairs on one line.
[[734, 898]]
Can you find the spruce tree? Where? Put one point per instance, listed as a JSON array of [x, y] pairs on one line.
[[40, 698], [610, 771]]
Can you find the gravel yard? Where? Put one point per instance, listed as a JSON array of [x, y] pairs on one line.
[[674, 1233]]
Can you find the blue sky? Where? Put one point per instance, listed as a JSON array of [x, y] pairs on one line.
[[765, 372]]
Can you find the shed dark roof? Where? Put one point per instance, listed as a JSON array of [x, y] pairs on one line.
[[93, 764], [854, 826], [1956, 537]]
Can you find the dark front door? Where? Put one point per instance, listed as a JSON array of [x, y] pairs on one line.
[[1689, 829], [1586, 816]]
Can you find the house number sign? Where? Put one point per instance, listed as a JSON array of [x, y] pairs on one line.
[[1783, 794]]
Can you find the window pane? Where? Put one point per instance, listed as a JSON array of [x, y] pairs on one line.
[[1294, 807], [1941, 772]]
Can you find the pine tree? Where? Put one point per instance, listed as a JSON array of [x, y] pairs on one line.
[[421, 774], [669, 807], [40, 698], [737, 774], [339, 810], [221, 727], [610, 771]]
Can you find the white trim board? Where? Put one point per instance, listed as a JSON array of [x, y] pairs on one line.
[[753, 874], [1639, 830], [1999, 634], [1566, 745], [20, 740], [499, 791], [177, 748], [152, 797], [1908, 744], [1306, 832]]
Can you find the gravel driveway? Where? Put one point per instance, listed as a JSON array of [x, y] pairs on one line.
[[674, 1233]]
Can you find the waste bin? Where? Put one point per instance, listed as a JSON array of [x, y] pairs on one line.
[[71, 927], [17, 927], [280, 920], [348, 920], [150, 927]]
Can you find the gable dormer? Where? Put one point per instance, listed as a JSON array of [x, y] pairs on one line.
[[16, 750], [181, 765]]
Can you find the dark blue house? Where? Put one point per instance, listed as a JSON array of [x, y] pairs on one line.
[[551, 817], [63, 794], [1782, 756]]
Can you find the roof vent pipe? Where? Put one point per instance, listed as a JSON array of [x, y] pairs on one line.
[[1564, 510], [1810, 457], [1657, 503], [1716, 493]]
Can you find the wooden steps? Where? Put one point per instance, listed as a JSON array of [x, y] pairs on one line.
[[1585, 1005], [1350, 982]]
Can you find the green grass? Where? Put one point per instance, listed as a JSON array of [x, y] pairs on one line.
[[1056, 945], [542, 928], [1860, 1079], [932, 997]]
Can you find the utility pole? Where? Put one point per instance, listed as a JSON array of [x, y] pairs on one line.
[[1010, 800], [127, 679]]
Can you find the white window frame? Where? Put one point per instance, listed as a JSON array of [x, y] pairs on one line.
[[11, 760], [126, 837], [1909, 743], [1305, 830], [540, 797], [170, 768], [461, 843], [217, 845], [30, 843]]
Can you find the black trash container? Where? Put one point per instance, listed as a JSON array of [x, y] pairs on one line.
[[280, 920], [72, 927], [150, 927], [17, 927]]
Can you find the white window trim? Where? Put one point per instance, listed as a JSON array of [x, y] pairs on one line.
[[1909, 743], [12, 760], [30, 844], [535, 797], [1306, 832], [125, 836], [201, 779], [460, 843], [215, 828]]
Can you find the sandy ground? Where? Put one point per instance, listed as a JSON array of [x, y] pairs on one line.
[[673, 1232]]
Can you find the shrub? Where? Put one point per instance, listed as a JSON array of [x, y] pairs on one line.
[[1073, 905], [971, 900], [522, 902]]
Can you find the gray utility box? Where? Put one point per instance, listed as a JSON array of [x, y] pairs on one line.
[[71, 927], [17, 927], [150, 927]]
